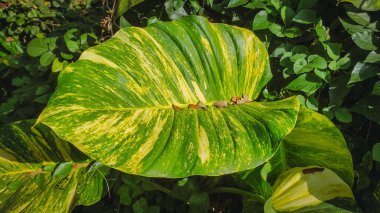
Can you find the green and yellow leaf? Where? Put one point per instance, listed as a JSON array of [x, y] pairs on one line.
[[28, 158], [311, 189], [125, 102], [315, 141]]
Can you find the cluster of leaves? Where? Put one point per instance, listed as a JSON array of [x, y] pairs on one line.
[[38, 39], [334, 65], [328, 54], [324, 52]]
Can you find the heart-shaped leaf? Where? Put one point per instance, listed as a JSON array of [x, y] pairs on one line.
[[316, 141], [27, 161], [37, 47], [125, 102]]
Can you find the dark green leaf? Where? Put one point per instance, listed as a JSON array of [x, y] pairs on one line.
[[67, 56], [63, 169], [124, 192], [195, 5], [43, 99], [364, 169], [376, 152], [287, 15], [51, 43], [251, 205], [376, 89], [276, 4], [351, 28], [37, 47], [47, 58], [333, 49], [123, 22], [361, 18], [199, 202], [364, 40], [261, 21], [308, 83], [317, 61], [306, 4], [328, 112], [236, 3], [276, 29], [334, 65], [372, 57], [141, 206], [338, 90], [344, 63], [343, 115], [72, 46], [369, 107], [300, 49], [362, 71], [121, 6], [258, 180], [301, 66], [305, 16], [297, 57], [42, 89], [321, 32], [255, 5], [292, 32], [323, 74]]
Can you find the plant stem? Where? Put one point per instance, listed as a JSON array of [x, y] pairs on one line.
[[239, 192], [159, 187]]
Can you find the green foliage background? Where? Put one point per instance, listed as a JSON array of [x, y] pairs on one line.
[[326, 52]]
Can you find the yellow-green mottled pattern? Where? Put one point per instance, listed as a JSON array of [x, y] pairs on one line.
[[316, 141], [23, 152], [115, 102], [299, 191]]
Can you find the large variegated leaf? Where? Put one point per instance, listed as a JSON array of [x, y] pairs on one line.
[[313, 141], [115, 103], [29, 157]]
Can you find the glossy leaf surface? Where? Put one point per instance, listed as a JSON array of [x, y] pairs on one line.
[[28, 157], [116, 103], [311, 189], [316, 141]]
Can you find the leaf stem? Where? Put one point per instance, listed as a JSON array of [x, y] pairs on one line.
[[159, 187], [239, 192]]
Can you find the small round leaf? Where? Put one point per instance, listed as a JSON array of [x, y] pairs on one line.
[[37, 47]]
